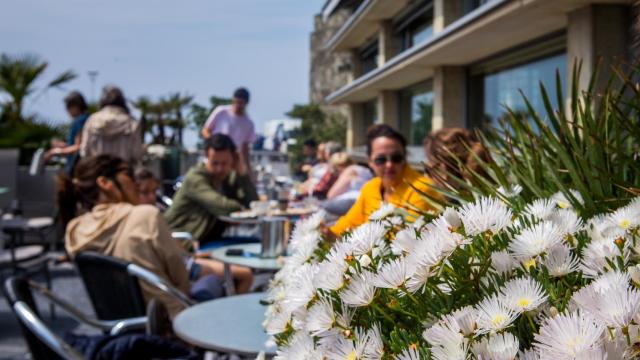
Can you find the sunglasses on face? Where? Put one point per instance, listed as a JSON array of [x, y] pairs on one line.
[[396, 158]]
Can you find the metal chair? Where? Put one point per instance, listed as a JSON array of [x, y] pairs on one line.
[[42, 342], [113, 285]]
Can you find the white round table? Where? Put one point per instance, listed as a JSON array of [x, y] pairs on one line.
[[230, 324], [250, 259]]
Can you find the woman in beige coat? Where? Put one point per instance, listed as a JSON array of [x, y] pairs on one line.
[[112, 130], [104, 188]]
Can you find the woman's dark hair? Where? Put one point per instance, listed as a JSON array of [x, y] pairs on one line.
[[219, 142], [144, 174], [80, 191], [75, 99], [458, 149], [113, 96], [383, 130]]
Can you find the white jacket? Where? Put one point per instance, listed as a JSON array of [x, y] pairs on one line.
[[112, 131]]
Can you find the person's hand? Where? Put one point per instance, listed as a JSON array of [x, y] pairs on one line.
[[306, 168], [327, 233], [50, 154]]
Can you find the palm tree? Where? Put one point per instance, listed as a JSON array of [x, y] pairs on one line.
[[18, 75], [176, 102], [144, 105]]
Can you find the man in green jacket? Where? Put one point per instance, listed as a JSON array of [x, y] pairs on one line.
[[217, 187]]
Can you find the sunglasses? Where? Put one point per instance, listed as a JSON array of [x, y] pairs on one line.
[[393, 158]]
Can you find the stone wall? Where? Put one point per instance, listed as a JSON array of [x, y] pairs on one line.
[[329, 71]]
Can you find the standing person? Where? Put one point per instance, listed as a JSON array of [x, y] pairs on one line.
[[209, 190], [78, 111], [232, 120], [112, 130], [396, 183]]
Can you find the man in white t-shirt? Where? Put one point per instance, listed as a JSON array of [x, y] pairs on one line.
[[232, 120]]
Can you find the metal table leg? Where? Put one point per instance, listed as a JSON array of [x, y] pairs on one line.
[[229, 285]]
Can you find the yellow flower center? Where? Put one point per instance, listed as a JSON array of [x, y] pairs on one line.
[[573, 343], [624, 224], [523, 302], [498, 319], [352, 356], [563, 205], [529, 264]]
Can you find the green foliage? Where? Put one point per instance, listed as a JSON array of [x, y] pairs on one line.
[[162, 113], [590, 146], [317, 125]]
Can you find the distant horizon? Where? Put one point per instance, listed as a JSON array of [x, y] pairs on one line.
[[203, 49]]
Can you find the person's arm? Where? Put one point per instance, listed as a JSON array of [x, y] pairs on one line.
[[247, 187], [84, 141], [210, 123], [342, 183], [203, 194]]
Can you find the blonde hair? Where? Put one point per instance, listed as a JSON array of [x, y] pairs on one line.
[[340, 159]]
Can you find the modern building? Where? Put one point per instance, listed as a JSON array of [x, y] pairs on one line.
[[420, 65]]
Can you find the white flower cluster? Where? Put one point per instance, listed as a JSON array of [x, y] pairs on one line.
[[480, 281]]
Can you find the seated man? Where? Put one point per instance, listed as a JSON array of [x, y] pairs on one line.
[[210, 190]]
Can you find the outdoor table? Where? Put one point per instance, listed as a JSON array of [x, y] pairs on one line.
[[250, 259], [230, 324]]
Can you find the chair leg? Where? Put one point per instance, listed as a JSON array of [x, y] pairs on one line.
[[47, 279]]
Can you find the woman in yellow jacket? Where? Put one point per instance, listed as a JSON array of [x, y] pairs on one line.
[[396, 183]]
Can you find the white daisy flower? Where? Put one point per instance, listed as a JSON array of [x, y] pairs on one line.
[[493, 315], [560, 262], [466, 319], [360, 290], [485, 214], [460, 352], [523, 294], [383, 211], [446, 332], [511, 191], [321, 317], [300, 288], [367, 236], [411, 353], [452, 217], [569, 336], [502, 262], [540, 208], [595, 256], [375, 345], [634, 273], [535, 240], [276, 322], [502, 346], [561, 200], [300, 347], [625, 218], [364, 346], [566, 221], [404, 242], [392, 275], [610, 300]]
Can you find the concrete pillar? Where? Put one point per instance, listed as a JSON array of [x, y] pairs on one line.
[[387, 44], [449, 97], [355, 126], [597, 32], [388, 108], [445, 12]]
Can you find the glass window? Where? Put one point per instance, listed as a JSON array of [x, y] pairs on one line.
[[369, 57], [416, 112], [415, 25], [369, 113], [470, 5], [502, 89], [500, 83]]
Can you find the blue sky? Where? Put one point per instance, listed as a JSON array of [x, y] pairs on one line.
[[153, 47]]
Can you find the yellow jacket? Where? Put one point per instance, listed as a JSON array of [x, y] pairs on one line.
[[405, 196]]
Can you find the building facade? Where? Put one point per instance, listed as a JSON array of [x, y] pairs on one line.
[[421, 65]]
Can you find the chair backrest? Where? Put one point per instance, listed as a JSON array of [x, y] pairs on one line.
[[114, 293], [8, 175], [42, 342]]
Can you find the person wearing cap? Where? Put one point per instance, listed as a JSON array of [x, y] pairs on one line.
[[233, 121]]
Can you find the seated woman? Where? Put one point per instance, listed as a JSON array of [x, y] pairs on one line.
[[395, 183], [346, 189], [452, 155], [113, 224], [197, 266]]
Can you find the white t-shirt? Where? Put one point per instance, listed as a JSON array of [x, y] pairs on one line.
[[239, 128]]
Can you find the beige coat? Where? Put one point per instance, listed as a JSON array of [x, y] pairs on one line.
[[112, 131], [138, 234]]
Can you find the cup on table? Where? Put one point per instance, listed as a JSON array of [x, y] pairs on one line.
[[283, 199]]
